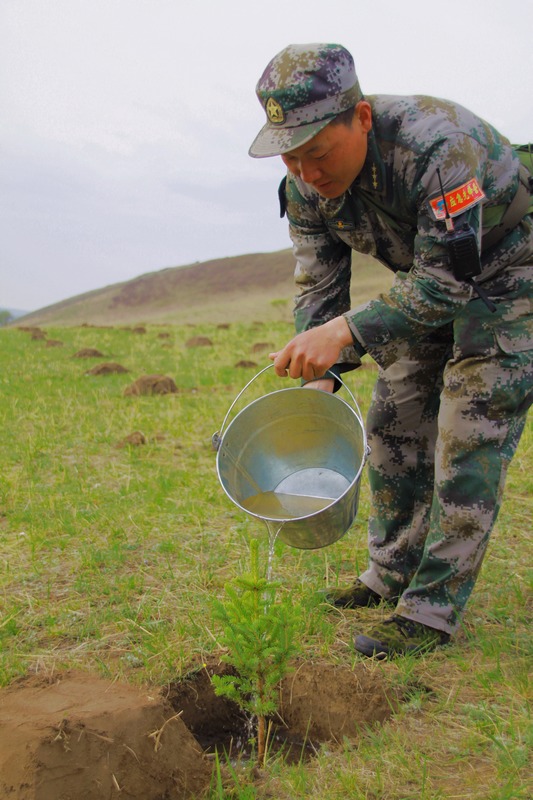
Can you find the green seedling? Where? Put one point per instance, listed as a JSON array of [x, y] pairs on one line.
[[258, 630]]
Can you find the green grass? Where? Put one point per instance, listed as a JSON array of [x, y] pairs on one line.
[[109, 558]]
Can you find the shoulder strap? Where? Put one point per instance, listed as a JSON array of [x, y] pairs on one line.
[[525, 154], [520, 205]]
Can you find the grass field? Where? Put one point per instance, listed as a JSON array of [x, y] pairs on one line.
[[111, 553]]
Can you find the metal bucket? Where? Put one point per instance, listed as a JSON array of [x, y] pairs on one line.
[[294, 459]]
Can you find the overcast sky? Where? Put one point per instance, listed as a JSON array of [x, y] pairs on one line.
[[126, 123]]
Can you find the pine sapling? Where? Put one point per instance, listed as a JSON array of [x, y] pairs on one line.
[[258, 633]]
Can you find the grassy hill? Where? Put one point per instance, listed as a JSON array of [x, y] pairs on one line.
[[243, 288]]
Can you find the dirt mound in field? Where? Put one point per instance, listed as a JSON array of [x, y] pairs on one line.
[[260, 347], [199, 341], [109, 368], [83, 737], [151, 384], [88, 352], [132, 440], [80, 736]]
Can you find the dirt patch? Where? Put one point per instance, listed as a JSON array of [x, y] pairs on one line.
[[245, 364], [88, 352], [151, 384], [318, 703], [260, 347], [132, 440], [329, 701], [109, 368], [82, 736], [30, 329]]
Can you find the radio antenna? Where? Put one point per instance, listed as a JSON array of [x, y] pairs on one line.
[[447, 218]]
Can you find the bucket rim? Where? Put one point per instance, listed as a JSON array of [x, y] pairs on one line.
[[217, 437], [356, 479], [335, 397]]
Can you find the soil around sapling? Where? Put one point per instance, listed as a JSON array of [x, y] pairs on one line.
[[76, 734], [318, 703]]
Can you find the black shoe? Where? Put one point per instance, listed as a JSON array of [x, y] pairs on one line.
[[398, 636], [359, 595]]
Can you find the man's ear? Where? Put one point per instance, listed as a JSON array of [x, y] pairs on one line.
[[363, 112]]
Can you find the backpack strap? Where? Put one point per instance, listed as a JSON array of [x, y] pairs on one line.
[[525, 154], [520, 205]]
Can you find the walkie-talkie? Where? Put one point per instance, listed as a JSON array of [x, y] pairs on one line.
[[463, 252]]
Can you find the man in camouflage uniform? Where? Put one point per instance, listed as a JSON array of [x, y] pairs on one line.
[[452, 341]]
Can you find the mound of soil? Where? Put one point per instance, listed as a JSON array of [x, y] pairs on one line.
[[88, 352], [259, 347], [80, 736], [109, 368], [329, 701], [132, 440], [151, 384], [30, 329], [244, 363], [84, 737]]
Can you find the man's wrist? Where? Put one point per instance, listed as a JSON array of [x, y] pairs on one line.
[[340, 330]]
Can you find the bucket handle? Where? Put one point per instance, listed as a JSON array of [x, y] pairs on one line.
[[216, 439]]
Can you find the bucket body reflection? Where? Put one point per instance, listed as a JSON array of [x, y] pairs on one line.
[[296, 456]]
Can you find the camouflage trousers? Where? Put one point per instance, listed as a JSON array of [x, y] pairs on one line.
[[443, 426]]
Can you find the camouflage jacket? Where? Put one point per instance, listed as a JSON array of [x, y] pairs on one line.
[[389, 212]]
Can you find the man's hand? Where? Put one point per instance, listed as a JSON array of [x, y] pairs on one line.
[[311, 353]]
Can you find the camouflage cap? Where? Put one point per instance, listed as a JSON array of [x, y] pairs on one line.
[[302, 89]]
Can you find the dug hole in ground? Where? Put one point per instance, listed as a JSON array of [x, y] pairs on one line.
[[75, 735]]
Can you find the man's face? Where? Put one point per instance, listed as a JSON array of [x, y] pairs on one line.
[[332, 160]]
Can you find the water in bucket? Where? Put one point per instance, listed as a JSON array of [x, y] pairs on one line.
[[281, 506], [295, 457]]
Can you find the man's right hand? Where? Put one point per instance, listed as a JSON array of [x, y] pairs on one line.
[[311, 353]]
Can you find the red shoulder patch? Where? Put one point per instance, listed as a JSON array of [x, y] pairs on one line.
[[458, 200]]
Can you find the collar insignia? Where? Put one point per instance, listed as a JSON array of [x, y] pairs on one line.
[[374, 176]]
